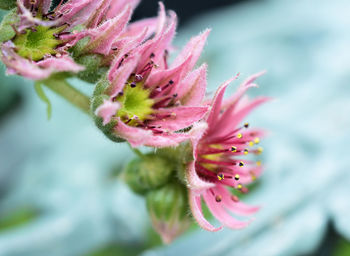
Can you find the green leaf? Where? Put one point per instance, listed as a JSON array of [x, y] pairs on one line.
[[7, 4], [40, 92]]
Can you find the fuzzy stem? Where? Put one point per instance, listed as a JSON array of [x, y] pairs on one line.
[[72, 95]]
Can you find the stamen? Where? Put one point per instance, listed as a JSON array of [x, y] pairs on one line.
[[237, 177], [245, 151], [239, 135], [218, 198], [246, 125], [239, 186], [133, 85], [233, 149], [259, 150], [241, 164], [251, 143], [221, 176], [256, 140], [152, 55], [258, 163]]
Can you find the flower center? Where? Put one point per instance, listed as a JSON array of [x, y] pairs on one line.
[[136, 104], [35, 43]]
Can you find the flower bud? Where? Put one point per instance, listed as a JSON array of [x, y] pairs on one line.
[[147, 173], [7, 4], [168, 210]]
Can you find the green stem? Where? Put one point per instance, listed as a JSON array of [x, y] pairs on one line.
[[72, 95]]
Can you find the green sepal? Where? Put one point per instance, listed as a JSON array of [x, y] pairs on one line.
[[40, 92], [93, 70], [168, 209], [148, 173], [6, 31], [107, 129], [7, 4]]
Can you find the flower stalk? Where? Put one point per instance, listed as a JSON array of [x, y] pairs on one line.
[[68, 92]]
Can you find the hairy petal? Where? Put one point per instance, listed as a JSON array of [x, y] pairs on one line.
[[107, 110]]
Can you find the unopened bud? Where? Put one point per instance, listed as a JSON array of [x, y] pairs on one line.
[[168, 210], [147, 173]]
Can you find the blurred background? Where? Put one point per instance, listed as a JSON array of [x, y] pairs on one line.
[[59, 191]]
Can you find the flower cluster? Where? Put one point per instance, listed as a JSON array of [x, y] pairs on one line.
[[142, 99]]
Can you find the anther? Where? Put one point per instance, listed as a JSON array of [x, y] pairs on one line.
[[218, 198], [175, 95], [239, 135], [152, 55], [260, 150], [237, 177], [241, 164], [251, 143], [171, 82], [258, 163], [138, 77], [246, 125], [235, 198], [245, 151], [239, 186], [233, 149], [220, 176], [133, 85], [256, 140]]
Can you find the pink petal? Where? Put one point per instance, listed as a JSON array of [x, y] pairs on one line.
[[141, 137], [117, 6], [64, 63], [216, 105], [193, 48], [104, 36], [216, 208], [194, 181], [191, 90], [196, 209], [235, 207], [134, 28], [77, 11], [165, 75], [118, 76], [107, 110], [180, 117]]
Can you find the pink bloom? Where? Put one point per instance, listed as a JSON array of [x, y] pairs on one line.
[[43, 37], [169, 98], [218, 158]]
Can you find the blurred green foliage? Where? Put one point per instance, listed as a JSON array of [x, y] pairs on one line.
[[17, 217]]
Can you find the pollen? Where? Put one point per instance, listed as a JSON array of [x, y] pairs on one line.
[[237, 177], [251, 143], [241, 164], [256, 140], [246, 151], [239, 186], [234, 149], [239, 135], [221, 176]]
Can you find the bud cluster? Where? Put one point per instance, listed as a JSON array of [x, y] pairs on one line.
[[200, 144]]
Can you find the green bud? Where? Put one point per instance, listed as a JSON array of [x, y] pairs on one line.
[[7, 4], [6, 31], [147, 173], [93, 67], [168, 208]]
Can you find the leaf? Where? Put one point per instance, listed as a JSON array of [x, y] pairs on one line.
[[40, 92]]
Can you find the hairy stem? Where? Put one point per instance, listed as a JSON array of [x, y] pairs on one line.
[[72, 95]]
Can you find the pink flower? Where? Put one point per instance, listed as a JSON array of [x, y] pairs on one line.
[[218, 163], [157, 101], [40, 45]]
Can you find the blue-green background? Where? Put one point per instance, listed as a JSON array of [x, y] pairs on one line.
[[59, 194]]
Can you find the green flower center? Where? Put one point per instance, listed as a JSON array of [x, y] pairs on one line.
[[136, 104], [36, 44]]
